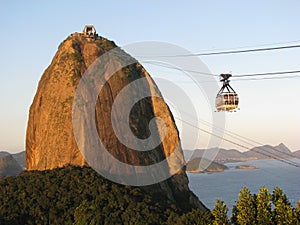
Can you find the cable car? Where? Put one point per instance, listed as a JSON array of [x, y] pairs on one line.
[[227, 99]]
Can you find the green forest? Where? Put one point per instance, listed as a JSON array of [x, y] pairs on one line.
[[75, 195]]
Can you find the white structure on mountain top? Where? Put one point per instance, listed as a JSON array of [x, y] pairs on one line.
[[90, 31]]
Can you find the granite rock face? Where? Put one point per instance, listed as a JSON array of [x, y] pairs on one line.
[[50, 141]]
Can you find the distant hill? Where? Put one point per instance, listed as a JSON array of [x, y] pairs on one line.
[[222, 154], [297, 154], [232, 155], [9, 166], [201, 165], [12, 164], [3, 153], [20, 158], [262, 152]]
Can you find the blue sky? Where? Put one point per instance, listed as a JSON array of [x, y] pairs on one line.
[[32, 30]]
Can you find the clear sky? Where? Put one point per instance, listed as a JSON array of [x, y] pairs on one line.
[[32, 30]]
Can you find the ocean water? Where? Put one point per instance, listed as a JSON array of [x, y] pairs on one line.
[[226, 185]]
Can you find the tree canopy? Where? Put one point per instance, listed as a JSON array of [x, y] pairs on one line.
[[76, 195]]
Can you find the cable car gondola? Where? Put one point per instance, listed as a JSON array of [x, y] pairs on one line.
[[227, 99]]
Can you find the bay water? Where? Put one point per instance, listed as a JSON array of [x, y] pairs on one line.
[[226, 185]]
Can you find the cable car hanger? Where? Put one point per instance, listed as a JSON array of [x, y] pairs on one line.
[[225, 79]]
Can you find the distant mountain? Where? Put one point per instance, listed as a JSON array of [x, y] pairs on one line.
[[297, 154], [20, 158], [262, 152], [201, 165], [9, 166], [12, 164], [232, 155], [3, 153], [223, 155]]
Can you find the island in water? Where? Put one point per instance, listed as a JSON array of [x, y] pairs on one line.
[[202, 165], [247, 167]]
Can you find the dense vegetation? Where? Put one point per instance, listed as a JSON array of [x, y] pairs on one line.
[[263, 208], [74, 195]]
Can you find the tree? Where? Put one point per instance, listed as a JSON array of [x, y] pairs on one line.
[[283, 211], [298, 211], [283, 214], [85, 213], [278, 194], [220, 213], [234, 214], [263, 205], [245, 208], [194, 217]]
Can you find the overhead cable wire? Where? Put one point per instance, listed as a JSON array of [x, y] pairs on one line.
[[262, 75], [267, 74], [266, 78], [178, 68], [256, 46], [237, 144], [240, 137], [227, 52], [248, 140], [234, 76], [234, 80], [241, 51]]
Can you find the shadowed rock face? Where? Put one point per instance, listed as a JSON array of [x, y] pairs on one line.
[[50, 141]]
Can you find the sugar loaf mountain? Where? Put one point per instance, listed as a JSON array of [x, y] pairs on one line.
[[58, 185], [50, 141]]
